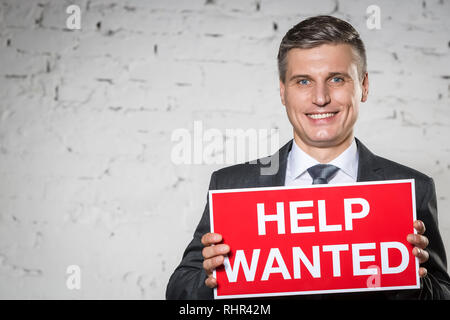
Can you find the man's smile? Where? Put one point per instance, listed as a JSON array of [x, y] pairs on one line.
[[317, 116]]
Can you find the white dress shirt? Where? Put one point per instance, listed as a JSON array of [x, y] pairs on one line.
[[299, 161]]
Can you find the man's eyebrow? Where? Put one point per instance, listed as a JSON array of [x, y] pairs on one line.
[[297, 76], [330, 75]]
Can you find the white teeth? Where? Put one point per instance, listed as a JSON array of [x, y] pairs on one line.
[[321, 115]]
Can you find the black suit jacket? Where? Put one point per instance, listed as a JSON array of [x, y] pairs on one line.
[[188, 279]]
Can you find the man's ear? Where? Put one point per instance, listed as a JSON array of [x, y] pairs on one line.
[[365, 88], [282, 88]]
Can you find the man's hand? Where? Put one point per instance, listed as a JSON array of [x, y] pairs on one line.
[[420, 242], [214, 255]]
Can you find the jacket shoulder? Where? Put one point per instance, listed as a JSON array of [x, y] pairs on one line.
[[395, 170], [242, 175]]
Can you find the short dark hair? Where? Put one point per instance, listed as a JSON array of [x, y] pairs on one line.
[[319, 30]]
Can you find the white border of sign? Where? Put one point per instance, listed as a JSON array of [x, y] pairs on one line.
[[413, 196]]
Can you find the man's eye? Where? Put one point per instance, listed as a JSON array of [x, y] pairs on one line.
[[303, 81], [337, 79]]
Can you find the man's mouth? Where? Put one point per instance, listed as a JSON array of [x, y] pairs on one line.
[[321, 115]]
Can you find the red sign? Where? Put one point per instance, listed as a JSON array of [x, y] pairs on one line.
[[315, 239]]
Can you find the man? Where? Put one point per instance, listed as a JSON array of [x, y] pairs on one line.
[[323, 79]]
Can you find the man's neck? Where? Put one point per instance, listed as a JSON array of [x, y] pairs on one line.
[[324, 154]]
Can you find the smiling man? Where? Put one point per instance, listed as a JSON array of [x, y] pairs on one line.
[[321, 91], [323, 79]]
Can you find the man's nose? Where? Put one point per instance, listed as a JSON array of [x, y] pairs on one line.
[[321, 96]]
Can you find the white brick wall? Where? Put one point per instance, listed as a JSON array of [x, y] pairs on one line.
[[86, 117]]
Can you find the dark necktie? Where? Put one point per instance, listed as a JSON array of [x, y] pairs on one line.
[[322, 173]]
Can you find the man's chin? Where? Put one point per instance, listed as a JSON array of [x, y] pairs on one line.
[[323, 143], [320, 142]]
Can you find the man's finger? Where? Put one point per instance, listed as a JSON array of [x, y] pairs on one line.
[[211, 238], [211, 282], [419, 226], [212, 251], [423, 255], [210, 264], [417, 240], [422, 272]]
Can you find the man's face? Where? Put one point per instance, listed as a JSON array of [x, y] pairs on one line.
[[321, 93]]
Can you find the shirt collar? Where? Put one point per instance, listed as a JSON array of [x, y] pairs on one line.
[[299, 161]]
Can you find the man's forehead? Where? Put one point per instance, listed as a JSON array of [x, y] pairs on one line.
[[324, 59]]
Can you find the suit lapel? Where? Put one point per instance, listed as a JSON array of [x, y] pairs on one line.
[[278, 178], [368, 165]]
